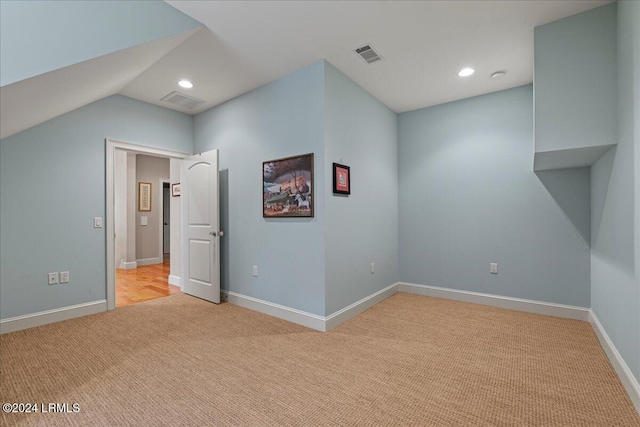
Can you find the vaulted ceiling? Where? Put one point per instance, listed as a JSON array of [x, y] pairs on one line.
[[35, 100], [424, 44], [250, 43]]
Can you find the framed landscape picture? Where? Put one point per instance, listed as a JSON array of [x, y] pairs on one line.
[[341, 179], [287, 187]]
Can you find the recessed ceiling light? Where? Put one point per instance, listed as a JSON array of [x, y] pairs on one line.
[[498, 75], [466, 72], [185, 84]]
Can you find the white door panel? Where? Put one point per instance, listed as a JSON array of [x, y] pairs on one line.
[[200, 252], [200, 226], [199, 207]]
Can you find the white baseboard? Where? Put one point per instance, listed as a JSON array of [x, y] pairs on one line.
[[128, 265], [148, 261], [18, 323], [358, 307], [300, 317], [310, 320], [627, 378], [530, 306], [321, 323], [174, 280], [629, 382]]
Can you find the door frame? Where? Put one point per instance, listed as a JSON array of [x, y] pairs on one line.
[[110, 147], [161, 182]]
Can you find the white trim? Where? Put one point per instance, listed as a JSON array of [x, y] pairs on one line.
[[358, 307], [300, 317], [174, 280], [148, 261], [111, 145], [128, 265], [629, 382], [310, 320], [530, 306], [161, 182], [324, 324], [327, 323], [19, 323]]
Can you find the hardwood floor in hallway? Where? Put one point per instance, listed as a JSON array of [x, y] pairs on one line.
[[143, 283]]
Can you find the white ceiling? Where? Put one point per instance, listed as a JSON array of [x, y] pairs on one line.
[[248, 44], [424, 43], [203, 60], [35, 100]]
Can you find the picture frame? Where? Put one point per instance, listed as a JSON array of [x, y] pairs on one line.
[[175, 190], [287, 187], [144, 196], [341, 179]]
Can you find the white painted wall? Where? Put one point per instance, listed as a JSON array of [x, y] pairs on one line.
[[174, 167], [131, 209], [120, 206]]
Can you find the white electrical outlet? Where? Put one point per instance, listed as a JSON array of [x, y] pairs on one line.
[[373, 267], [255, 271], [493, 268], [64, 277], [53, 278]]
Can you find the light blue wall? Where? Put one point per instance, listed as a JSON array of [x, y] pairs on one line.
[[362, 228], [575, 81], [615, 277], [41, 36], [468, 197], [52, 181], [571, 190], [281, 119]]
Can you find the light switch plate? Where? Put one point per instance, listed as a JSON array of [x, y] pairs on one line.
[[97, 222], [144, 220]]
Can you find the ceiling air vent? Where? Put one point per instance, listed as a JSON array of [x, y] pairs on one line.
[[368, 54], [182, 100]]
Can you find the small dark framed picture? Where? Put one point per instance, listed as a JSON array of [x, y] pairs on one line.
[[175, 190], [341, 179]]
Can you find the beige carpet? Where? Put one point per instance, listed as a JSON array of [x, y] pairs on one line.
[[410, 360]]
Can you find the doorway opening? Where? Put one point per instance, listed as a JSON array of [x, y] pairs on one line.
[[143, 253], [142, 215], [166, 219]]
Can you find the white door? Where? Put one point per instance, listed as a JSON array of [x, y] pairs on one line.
[[200, 226]]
